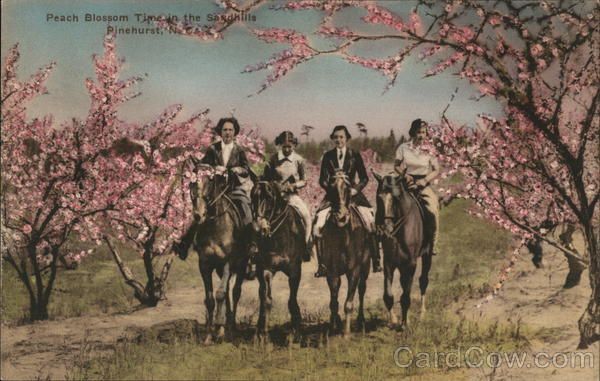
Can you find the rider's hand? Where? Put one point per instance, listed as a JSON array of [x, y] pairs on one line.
[[353, 192], [220, 168], [421, 183], [237, 170], [410, 179]]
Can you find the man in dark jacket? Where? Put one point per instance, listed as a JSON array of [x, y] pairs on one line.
[[351, 163]]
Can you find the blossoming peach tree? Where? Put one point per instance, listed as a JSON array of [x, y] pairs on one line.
[[537, 166], [98, 180], [56, 181]]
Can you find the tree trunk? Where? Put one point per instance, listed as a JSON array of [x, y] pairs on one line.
[[38, 309], [589, 323], [154, 290]]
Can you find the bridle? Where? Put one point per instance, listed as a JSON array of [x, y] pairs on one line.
[[340, 178], [211, 203], [396, 191], [269, 204]]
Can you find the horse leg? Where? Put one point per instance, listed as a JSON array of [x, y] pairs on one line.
[[388, 294], [262, 295], [335, 321], [362, 289], [293, 307], [424, 279], [209, 300], [221, 296], [265, 278], [407, 272], [353, 279], [237, 293]]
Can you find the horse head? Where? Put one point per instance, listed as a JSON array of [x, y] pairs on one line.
[[340, 192], [266, 202], [390, 189], [206, 192]]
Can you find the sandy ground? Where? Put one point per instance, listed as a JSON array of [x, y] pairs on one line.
[[50, 348], [536, 298]]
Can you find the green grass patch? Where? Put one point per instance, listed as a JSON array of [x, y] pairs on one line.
[[95, 287], [363, 357]]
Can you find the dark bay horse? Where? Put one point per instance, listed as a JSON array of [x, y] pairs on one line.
[[345, 249], [218, 243], [404, 240], [281, 245]]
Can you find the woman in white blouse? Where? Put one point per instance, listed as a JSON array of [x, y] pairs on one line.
[[289, 169], [420, 169]]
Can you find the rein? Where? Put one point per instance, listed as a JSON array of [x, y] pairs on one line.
[[221, 196], [401, 220], [273, 219]]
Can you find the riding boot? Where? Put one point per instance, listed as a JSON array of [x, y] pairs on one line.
[[181, 248], [375, 256], [322, 270], [252, 250]]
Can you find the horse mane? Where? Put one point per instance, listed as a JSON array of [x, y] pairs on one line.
[[227, 206]]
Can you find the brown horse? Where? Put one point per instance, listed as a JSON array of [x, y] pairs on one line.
[[345, 248], [281, 245], [219, 245], [404, 239]]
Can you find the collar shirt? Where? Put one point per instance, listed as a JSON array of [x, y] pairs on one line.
[[341, 155], [287, 166], [417, 162], [226, 150]]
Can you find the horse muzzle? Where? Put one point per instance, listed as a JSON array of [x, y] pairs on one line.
[[388, 227], [341, 218], [264, 228], [199, 217]]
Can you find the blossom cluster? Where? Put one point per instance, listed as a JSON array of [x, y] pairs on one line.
[[281, 63]]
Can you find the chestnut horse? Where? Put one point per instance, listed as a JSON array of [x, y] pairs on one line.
[[404, 239], [345, 249], [219, 244]]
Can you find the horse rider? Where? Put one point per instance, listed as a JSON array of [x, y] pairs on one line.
[[350, 162], [420, 169], [227, 155], [289, 169]]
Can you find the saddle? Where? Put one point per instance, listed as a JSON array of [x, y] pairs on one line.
[[297, 215], [361, 218]]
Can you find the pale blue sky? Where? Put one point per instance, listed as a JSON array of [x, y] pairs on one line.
[[323, 92]]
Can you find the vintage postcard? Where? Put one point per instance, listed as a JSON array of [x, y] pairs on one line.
[[331, 189]]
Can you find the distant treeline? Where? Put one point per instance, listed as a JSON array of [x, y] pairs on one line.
[[385, 147]]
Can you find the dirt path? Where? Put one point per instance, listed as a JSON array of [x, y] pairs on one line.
[[535, 297], [49, 349]]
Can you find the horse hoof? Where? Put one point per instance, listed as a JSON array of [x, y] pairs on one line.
[[220, 333], [262, 338]]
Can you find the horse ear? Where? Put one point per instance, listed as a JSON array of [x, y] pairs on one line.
[[377, 176]]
